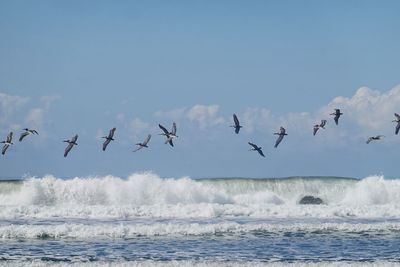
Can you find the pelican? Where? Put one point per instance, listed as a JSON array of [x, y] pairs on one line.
[[317, 126], [26, 133], [337, 115], [398, 123], [7, 143], [169, 135], [373, 138], [71, 144], [108, 138], [237, 125], [256, 148], [282, 133], [144, 144]]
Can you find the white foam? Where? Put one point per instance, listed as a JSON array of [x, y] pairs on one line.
[[147, 195], [128, 230]]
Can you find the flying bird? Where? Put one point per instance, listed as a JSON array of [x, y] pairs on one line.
[[256, 148], [398, 123], [7, 143], [71, 144], [282, 133], [144, 144], [373, 138], [317, 126], [169, 135], [237, 125], [26, 133], [337, 115], [108, 138]]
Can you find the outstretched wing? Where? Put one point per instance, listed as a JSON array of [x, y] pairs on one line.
[[73, 140], [397, 128], [23, 135], [278, 140], [169, 141], [67, 149], [147, 140], [137, 149], [163, 129], [253, 145], [9, 137], [397, 116], [3, 151], [236, 121], [111, 133], [105, 144], [316, 127], [260, 152], [173, 131], [336, 118], [35, 132], [369, 140]]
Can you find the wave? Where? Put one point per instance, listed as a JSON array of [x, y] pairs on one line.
[[173, 229], [148, 195]]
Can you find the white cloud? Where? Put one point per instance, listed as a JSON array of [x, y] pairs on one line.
[[174, 114], [205, 116], [9, 104], [138, 126], [47, 100], [35, 118], [368, 110]]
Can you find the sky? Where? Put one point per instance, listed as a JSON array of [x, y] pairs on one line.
[[83, 67]]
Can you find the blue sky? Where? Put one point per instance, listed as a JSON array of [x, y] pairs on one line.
[[83, 67]]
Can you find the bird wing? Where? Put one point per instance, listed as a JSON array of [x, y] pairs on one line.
[[163, 128], [111, 133], [35, 132], [369, 140], [397, 128], [237, 129], [9, 137], [105, 144], [236, 120], [140, 147], [336, 118], [67, 149], [316, 127], [253, 145], [169, 141], [173, 131], [323, 123], [147, 140], [397, 116], [278, 140], [3, 151], [73, 140], [282, 130], [260, 152], [23, 135]]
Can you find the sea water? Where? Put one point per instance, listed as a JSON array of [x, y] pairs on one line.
[[145, 220]]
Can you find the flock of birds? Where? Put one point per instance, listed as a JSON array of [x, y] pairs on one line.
[[171, 135]]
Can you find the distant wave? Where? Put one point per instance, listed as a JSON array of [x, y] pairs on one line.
[[127, 230], [147, 195]]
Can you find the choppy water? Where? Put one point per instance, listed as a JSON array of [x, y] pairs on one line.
[[146, 220]]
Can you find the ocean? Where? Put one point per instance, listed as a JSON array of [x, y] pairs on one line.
[[145, 220]]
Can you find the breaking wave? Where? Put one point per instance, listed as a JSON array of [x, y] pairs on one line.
[[148, 195]]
